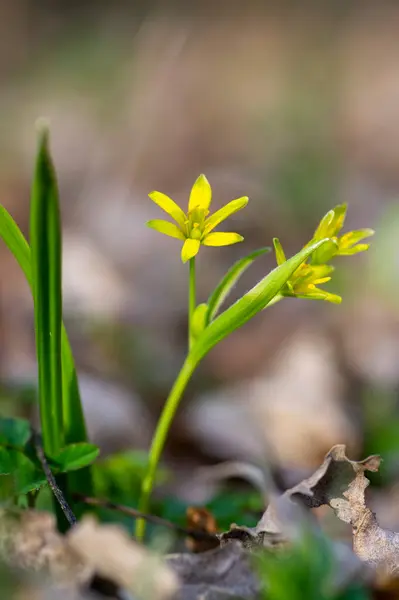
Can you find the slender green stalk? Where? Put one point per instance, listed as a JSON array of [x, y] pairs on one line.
[[191, 300], [159, 438]]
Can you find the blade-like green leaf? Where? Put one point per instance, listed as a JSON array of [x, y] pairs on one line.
[[75, 456], [16, 242], [74, 423], [45, 237], [227, 283], [14, 432], [74, 420], [250, 304]]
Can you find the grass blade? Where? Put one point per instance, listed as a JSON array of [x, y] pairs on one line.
[[45, 234]]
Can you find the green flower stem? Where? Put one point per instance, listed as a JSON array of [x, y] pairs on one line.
[[191, 300], [160, 436]]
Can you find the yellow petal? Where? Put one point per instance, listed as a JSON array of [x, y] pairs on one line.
[[339, 219], [280, 256], [222, 214], [332, 223], [324, 226], [354, 250], [169, 206], [167, 228], [321, 270], [221, 239], [201, 194], [190, 249], [316, 294], [353, 237]]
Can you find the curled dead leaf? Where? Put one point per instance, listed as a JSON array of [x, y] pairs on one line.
[[340, 483]]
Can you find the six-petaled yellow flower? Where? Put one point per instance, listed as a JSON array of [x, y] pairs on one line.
[[304, 281], [195, 227], [345, 245]]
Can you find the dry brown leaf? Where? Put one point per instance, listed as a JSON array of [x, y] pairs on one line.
[[338, 482], [341, 484]]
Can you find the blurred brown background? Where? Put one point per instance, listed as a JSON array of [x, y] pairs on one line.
[[295, 105]]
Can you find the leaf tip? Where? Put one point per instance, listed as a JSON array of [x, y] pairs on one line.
[[42, 127]]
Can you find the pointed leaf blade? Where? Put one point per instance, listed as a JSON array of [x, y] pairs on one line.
[[227, 283], [16, 242], [45, 234]]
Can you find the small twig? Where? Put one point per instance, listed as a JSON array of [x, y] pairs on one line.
[[37, 442], [127, 510], [136, 514]]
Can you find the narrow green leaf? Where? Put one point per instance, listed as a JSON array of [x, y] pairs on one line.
[[14, 432], [250, 304], [45, 234], [227, 283], [75, 456], [73, 417], [16, 242], [74, 420], [74, 423]]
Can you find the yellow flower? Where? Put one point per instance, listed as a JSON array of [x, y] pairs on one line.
[[304, 281], [195, 227], [346, 245]]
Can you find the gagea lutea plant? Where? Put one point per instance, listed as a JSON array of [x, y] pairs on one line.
[[62, 422]]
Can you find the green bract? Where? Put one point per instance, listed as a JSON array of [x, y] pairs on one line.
[[250, 304]]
